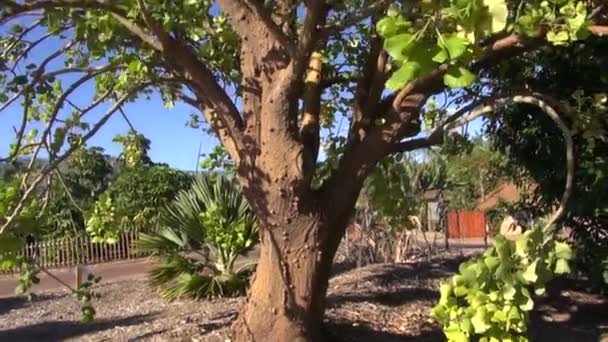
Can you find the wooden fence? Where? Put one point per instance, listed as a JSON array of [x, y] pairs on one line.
[[65, 252], [466, 224]]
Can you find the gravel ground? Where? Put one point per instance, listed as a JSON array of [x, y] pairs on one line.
[[373, 303]]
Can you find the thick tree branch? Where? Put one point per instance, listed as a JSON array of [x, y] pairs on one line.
[[212, 98], [218, 128], [316, 13], [245, 13], [310, 126], [432, 83], [138, 32]]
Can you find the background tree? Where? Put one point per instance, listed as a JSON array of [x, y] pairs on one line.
[[138, 192], [291, 66], [576, 74]]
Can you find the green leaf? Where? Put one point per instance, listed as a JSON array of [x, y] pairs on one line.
[[453, 45], [21, 79], [479, 321], [499, 316], [441, 56], [563, 250], [499, 13], [460, 291], [528, 303], [458, 77], [389, 26], [445, 291], [508, 292], [530, 273], [403, 75], [7, 262], [491, 263], [398, 46], [562, 267], [558, 38], [454, 334]]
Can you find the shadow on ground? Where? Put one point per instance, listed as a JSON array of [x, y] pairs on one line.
[[346, 332], [392, 298], [60, 330], [12, 303], [570, 313]]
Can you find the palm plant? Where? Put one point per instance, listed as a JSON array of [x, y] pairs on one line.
[[202, 233]]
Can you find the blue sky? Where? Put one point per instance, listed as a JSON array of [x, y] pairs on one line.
[[172, 142]]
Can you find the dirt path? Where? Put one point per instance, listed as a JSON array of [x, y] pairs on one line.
[[382, 302]]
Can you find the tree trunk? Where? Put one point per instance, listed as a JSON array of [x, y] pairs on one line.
[[287, 297]]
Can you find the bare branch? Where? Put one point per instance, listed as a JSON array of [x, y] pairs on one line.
[[15, 9], [25, 52], [376, 7], [53, 115], [52, 165], [418, 143], [118, 14], [21, 131], [19, 37]]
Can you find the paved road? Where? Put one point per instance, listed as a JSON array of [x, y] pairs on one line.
[[126, 269], [108, 271]]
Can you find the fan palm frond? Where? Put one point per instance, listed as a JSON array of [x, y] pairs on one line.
[[212, 217]]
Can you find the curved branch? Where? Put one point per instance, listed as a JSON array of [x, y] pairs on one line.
[[33, 45], [20, 36], [548, 105]]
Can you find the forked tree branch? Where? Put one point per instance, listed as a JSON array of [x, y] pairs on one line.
[[247, 13]]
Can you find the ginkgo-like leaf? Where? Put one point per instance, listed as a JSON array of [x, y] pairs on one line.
[[499, 13], [458, 77]]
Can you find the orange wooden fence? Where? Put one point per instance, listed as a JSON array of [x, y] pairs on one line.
[[81, 250], [466, 224]]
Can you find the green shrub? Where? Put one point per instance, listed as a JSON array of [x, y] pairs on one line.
[[201, 235], [491, 297]]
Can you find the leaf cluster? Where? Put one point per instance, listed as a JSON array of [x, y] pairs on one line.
[[491, 297]]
